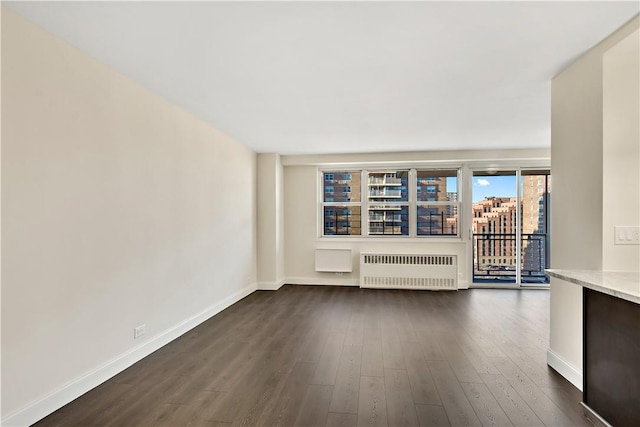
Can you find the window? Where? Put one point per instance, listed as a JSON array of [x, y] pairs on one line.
[[403, 202], [437, 206], [341, 203], [388, 202]]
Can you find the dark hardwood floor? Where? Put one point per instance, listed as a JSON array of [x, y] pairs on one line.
[[339, 356]]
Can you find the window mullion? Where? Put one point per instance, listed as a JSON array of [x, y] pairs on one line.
[[413, 197], [365, 203]]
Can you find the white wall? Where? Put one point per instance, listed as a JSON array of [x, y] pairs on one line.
[[118, 209], [270, 221], [621, 151], [302, 210], [577, 196]]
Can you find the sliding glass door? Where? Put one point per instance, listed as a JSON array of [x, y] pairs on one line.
[[535, 187], [510, 211], [494, 215]]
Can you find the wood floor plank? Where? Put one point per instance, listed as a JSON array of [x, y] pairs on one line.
[[257, 383], [464, 370], [485, 405], [392, 357], [405, 326], [314, 410], [347, 387], [432, 416], [480, 361], [569, 400], [342, 420], [195, 412], [544, 408], [538, 372], [283, 410], [430, 347], [313, 343], [423, 388], [355, 331], [135, 406], [329, 361], [401, 410], [372, 365], [94, 408], [455, 402], [510, 401], [372, 403]]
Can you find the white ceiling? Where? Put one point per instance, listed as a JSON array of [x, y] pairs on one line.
[[335, 77]]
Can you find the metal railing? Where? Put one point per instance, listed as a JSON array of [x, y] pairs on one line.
[[341, 222], [494, 258], [435, 224]]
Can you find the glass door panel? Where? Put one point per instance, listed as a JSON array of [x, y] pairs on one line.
[[494, 228], [535, 186]]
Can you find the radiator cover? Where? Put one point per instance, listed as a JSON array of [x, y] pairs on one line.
[[408, 271]]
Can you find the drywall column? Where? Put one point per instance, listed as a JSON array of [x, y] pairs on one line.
[[576, 217], [621, 151], [270, 222]]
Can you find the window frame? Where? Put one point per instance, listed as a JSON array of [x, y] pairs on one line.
[[429, 201], [411, 203], [334, 172]]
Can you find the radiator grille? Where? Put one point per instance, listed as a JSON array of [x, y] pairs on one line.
[[408, 271]]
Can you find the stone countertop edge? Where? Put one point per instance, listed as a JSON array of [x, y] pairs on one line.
[[620, 284]]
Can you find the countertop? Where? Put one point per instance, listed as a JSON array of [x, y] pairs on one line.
[[620, 284]]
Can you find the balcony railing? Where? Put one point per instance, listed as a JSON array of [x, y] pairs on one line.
[[494, 258]]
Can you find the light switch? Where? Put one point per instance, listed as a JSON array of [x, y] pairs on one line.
[[627, 235]]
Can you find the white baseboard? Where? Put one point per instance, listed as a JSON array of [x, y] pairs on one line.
[[332, 281], [271, 286], [59, 397], [564, 368]]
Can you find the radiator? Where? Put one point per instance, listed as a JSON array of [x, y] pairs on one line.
[[408, 271]]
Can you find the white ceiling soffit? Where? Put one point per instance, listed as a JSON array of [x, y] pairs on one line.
[[336, 77]]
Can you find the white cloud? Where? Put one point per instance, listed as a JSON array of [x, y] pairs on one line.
[[482, 182]]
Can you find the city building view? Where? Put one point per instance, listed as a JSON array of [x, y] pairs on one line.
[[494, 229], [342, 188], [388, 204], [437, 218], [388, 198]]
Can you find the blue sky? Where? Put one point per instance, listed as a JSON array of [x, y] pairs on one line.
[[499, 186], [452, 184]]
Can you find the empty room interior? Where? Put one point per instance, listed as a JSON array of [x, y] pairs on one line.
[[320, 213]]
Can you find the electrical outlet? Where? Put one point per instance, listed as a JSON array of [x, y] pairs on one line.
[[626, 235], [139, 331]]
